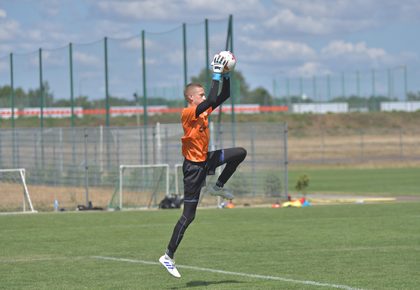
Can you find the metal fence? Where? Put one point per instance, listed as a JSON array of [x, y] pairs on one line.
[[72, 165], [92, 75], [391, 82], [349, 146]]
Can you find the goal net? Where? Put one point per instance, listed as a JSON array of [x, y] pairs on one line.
[[14, 194], [140, 186]]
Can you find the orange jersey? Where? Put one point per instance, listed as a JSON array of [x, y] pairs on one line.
[[195, 141]]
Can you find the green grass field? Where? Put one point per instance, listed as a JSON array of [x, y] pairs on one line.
[[364, 181], [369, 246]]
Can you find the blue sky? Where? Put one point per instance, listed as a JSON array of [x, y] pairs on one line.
[[281, 40]]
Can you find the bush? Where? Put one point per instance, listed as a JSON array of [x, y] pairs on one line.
[[302, 184]]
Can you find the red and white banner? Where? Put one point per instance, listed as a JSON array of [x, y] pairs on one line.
[[65, 112]]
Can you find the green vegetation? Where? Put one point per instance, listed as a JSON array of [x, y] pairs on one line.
[[359, 246]]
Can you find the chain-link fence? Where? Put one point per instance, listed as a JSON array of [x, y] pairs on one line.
[[389, 82], [349, 146], [77, 165]]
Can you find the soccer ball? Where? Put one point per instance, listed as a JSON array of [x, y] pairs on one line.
[[231, 60]]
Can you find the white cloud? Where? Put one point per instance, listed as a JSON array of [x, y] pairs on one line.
[[4, 65], [3, 13], [354, 52], [132, 43], [147, 9], [50, 7], [86, 59], [53, 59], [181, 10], [286, 19], [309, 69], [324, 20], [9, 29], [245, 8], [271, 50], [5, 49]]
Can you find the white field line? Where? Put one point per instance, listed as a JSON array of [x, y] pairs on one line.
[[33, 259], [264, 277]]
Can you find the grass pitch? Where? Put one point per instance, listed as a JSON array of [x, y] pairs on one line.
[[369, 246], [386, 181]]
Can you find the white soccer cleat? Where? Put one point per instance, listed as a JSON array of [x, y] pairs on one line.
[[212, 190], [169, 265]]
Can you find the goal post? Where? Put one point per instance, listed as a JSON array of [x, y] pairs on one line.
[[13, 184], [179, 186], [140, 186]]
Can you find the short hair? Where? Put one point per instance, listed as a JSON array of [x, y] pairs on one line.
[[189, 87]]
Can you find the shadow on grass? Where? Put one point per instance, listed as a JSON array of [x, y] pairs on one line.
[[206, 283]]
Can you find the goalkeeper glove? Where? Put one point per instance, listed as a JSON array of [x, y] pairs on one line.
[[218, 65]]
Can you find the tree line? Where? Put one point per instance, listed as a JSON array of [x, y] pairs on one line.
[[245, 95]]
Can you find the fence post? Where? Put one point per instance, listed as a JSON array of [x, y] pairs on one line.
[[166, 146], [206, 32], [12, 106], [153, 145], [86, 169], [41, 91], [71, 83], [60, 137], [286, 161], [140, 146], [253, 161], [12, 92], [118, 145], [184, 49], [1, 154], [145, 121], [41, 88], [36, 151], [101, 148], [95, 162], [233, 116], [73, 150], [107, 122], [54, 162]]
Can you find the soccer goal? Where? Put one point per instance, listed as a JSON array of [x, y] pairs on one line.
[[14, 193], [140, 186]]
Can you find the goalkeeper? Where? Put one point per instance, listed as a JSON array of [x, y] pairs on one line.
[[198, 162]]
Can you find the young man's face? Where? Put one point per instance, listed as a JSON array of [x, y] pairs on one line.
[[197, 96]]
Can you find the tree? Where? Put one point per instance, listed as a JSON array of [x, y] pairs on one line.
[[34, 96], [6, 93], [259, 96], [302, 184], [413, 96]]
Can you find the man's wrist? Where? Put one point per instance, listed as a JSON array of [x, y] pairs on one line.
[[217, 76]]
